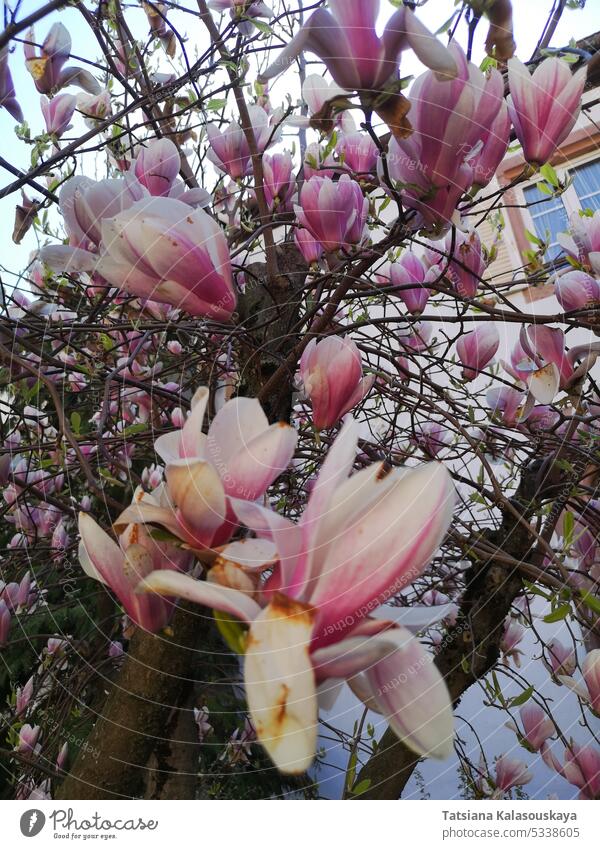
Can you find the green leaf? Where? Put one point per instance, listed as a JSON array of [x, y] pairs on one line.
[[531, 237], [592, 601], [216, 104], [232, 631], [361, 787], [76, 421], [550, 175], [140, 427], [521, 698], [559, 614], [568, 526]]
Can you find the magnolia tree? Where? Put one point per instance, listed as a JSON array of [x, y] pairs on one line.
[[286, 472]]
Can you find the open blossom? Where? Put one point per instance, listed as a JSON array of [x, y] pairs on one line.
[[431, 438], [537, 727], [561, 660], [358, 152], [582, 242], [242, 11], [325, 101], [334, 212], [58, 113], [229, 150], [332, 376], [544, 106], [240, 456], [172, 254], [94, 107], [358, 543], [477, 348], [582, 769], [541, 361], [576, 290], [8, 98], [315, 164], [345, 39], [48, 68], [509, 773], [407, 270], [434, 165], [122, 565]]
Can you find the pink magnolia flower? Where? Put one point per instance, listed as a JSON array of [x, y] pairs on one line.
[[359, 153], [94, 107], [279, 183], [543, 107], [121, 566], [346, 41], [316, 165], [173, 254], [47, 69], [466, 265], [583, 240], [331, 372], [409, 269], [494, 143], [309, 247], [23, 697], [58, 112], [240, 456], [477, 348], [61, 758], [591, 676], [510, 773], [359, 541], [5, 620], [513, 634], [157, 167], [317, 91], [229, 150], [8, 98], [537, 728], [431, 438], [540, 361], [28, 738], [335, 213], [434, 165], [326, 102], [560, 659], [582, 769], [576, 290], [242, 11]]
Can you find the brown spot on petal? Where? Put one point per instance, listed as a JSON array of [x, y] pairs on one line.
[[383, 472], [284, 606], [281, 704]]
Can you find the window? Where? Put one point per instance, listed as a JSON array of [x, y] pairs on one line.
[[549, 216], [586, 182]]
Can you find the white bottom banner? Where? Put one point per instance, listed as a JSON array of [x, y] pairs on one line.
[[281, 825]]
